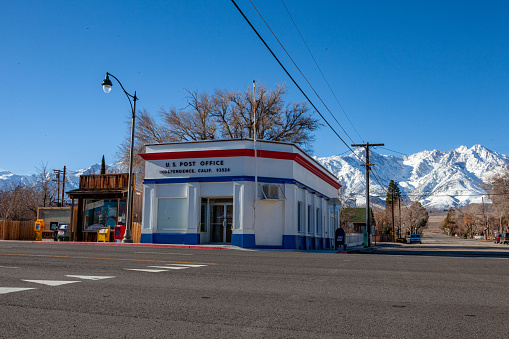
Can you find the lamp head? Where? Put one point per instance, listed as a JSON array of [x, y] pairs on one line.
[[107, 84]]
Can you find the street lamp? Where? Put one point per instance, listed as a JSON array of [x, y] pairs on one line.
[[107, 88]]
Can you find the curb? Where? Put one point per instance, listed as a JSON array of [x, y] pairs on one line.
[[127, 244]]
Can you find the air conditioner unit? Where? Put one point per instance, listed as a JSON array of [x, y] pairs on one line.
[[271, 191]]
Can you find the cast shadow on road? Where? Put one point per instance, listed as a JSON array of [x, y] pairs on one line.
[[441, 251]]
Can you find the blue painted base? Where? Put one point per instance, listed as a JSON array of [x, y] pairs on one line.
[[310, 243], [244, 240], [146, 238], [302, 243], [241, 240], [167, 238], [192, 239], [290, 241]]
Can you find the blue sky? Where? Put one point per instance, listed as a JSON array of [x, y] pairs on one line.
[[412, 75]]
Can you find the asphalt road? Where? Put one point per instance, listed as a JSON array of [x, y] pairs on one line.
[[444, 288]]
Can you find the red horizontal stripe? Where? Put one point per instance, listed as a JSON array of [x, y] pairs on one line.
[[299, 159], [223, 153]]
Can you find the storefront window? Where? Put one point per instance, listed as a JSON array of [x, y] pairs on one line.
[[102, 213], [172, 214], [122, 212]]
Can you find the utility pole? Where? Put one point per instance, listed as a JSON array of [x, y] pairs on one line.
[[60, 203], [486, 225], [392, 210], [63, 188], [57, 180], [399, 208], [367, 164]]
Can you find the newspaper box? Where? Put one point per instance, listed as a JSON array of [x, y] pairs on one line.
[[103, 234], [53, 226], [63, 232], [119, 232], [39, 228]]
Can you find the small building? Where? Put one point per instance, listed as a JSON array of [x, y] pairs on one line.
[[238, 192], [102, 201], [54, 216], [353, 220]]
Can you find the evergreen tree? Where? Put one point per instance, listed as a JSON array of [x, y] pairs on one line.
[[393, 194], [103, 166]]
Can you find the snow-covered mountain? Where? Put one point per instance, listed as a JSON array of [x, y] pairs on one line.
[[72, 178], [436, 179]]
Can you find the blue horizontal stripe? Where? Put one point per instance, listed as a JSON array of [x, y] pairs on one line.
[[269, 180]]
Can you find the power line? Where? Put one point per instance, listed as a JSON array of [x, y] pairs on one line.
[[287, 73], [390, 150], [305, 78], [323, 76]]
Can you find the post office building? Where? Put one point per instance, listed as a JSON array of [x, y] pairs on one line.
[[250, 194]]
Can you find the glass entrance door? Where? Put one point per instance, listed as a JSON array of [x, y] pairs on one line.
[[221, 223]]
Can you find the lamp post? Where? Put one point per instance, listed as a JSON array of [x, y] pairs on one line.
[[107, 88]]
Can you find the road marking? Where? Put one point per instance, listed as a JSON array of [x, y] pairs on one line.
[[145, 270], [89, 277], [163, 253], [5, 290], [96, 258], [51, 282], [157, 269], [169, 267], [8, 267]]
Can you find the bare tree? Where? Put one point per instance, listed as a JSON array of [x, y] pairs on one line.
[[18, 202], [498, 192], [450, 223], [382, 221], [415, 217], [194, 124], [45, 186], [147, 131], [224, 114]]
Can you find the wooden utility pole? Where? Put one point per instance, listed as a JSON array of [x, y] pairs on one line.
[[367, 164], [60, 203], [399, 209], [392, 210], [63, 188], [57, 180]]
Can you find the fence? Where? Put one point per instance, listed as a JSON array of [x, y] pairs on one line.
[[354, 239], [17, 230], [24, 230], [136, 231], [382, 238]]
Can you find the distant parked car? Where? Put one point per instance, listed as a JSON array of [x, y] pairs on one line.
[[415, 238], [497, 239], [504, 239]]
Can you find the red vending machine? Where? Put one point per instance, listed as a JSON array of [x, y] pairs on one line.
[[119, 232]]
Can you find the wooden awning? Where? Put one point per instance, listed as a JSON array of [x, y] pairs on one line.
[[98, 193]]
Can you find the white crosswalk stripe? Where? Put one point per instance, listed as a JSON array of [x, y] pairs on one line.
[[5, 290], [90, 277], [165, 268], [170, 267], [145, 270], [51, 282]]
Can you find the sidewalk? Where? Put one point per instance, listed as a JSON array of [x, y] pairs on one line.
[[352, 249]]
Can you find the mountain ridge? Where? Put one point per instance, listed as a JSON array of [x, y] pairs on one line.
[[438, 180]]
